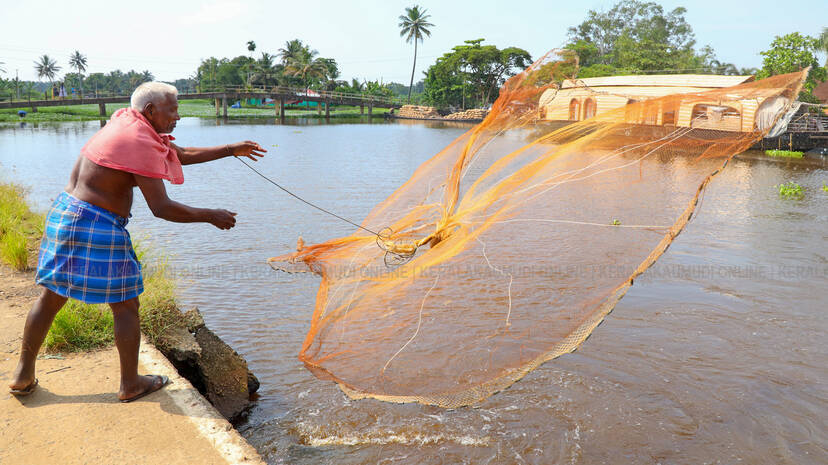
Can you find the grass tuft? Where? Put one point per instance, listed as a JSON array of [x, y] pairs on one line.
[[20, 228], [80, 327], [159, 310], [13, 250]]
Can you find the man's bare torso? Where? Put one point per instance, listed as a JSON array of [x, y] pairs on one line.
[[105, 187]]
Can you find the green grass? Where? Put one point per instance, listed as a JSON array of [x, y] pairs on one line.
[[784, 153], [79, 327], [186, 108], [13, 250], [20, 228], [791, 190]]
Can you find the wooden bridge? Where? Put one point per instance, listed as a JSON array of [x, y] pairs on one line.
[[283, 95]]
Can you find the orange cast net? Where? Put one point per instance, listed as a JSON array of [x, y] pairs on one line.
[[510, 246]]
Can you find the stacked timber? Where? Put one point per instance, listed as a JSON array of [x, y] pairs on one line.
[[473, 114], [418, 112]]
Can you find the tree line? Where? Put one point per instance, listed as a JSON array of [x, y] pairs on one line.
[[632, 37]]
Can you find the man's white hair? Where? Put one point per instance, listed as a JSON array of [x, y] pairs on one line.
[[151, 92]]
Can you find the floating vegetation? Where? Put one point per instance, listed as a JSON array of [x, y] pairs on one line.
[[824, 187], [791, 190], [784, 153], [616, 223]]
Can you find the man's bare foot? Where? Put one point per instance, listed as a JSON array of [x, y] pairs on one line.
[[21, 380], [144, 385]]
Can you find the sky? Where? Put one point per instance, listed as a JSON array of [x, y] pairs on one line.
[[171, 38]]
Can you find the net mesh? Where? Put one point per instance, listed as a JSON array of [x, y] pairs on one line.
[[511, 245]]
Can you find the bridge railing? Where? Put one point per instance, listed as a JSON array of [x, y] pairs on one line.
[[301, 93], [292, 93]]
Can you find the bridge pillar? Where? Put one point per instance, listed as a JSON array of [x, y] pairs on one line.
[[327, 110], [217, 107], [370, 108], [34, 109], [224, 106], [361, 108], [102, 109], [282, 109], [319, 108]]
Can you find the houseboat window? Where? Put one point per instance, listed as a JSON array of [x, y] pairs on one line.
[[589, 108], [574, 109], [716, 117]]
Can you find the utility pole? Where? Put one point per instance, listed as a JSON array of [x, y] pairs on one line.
[[17, 84]]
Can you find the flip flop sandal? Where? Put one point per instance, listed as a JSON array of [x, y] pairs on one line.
[[153, 388], [25, 391]]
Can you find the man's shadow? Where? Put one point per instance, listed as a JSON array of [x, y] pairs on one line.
[[43, 397]]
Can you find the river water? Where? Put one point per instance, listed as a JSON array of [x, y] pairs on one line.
[[717, 354]]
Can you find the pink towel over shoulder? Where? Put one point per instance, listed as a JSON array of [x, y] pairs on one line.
[[129, 143]]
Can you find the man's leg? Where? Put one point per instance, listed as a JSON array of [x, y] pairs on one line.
[[128, 341], [37, 326]]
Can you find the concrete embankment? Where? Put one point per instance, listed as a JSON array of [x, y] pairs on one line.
[[74, 416]]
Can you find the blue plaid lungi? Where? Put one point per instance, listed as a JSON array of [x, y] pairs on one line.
[[86, 254]]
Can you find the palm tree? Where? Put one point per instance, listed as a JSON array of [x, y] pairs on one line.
[[78, 61], [414, 25], [292, 50], [264, 70], [307, 67], [251, 47], [823, 44], [2, 70], [47, 68]]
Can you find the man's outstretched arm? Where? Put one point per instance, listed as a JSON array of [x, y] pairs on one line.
[[192, 155], [165, 208]]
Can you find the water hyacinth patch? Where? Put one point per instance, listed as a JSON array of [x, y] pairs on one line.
[[791, 190], [784, 153]]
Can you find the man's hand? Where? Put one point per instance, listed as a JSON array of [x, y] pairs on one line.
[[247, 149], [222, 219]]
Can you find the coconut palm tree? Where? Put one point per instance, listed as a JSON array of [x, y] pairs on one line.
[[2, 70], [47, 68], [307, 67], [264, 70], [251, 47], [823, 44], [78, 61], [413, 25], [292, 50]]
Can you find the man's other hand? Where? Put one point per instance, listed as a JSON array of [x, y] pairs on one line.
[[247, 149], [223, 219]]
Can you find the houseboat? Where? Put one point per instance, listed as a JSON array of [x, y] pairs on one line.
[[801, 128]]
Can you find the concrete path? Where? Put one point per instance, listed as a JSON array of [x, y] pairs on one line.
[[74, 416]]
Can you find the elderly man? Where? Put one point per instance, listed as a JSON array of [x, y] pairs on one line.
[[86, 252]]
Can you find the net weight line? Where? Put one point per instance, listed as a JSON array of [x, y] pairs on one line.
[[384, 241]]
